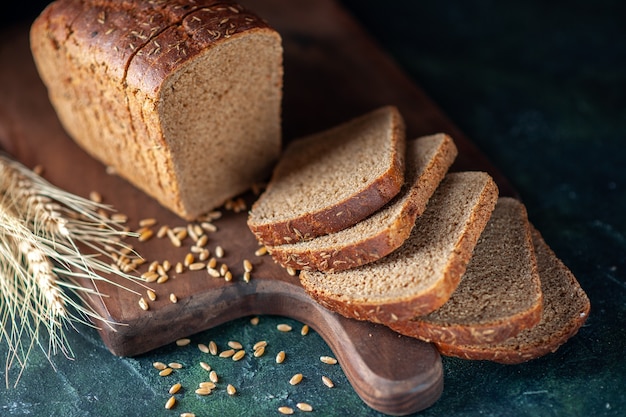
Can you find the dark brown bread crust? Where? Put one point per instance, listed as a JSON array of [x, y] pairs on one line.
[[345, 213], [497, 330], [142, 42], [425, 302], [529, 344], [373, 247]]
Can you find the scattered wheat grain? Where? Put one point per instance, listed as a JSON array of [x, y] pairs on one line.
[[296, 379], [227, 353], [283, 327], [212, 348], [327, 381], [170, 403], [189, 258], [143, 304], [203, 391], [173, 298], [239, 355], [219, 251], [175, 365], [328, 360], [147, 222], [175, 388], [280, 356], [151, 295], [183, 342], [213, 377], [159, 365], [162, 279], [285, 410], [235, 345], [145, 235], [261, 251], [258, 352], [247, 265], [304, 407], [203, 348], [166, 372], [231, 390], [254, 321], [205, 366], [305, 330], [196, 266], [179, 268]]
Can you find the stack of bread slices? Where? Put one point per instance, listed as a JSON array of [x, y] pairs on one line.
[[380, 229]]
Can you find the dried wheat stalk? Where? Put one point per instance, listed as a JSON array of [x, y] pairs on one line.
[[41, 230]]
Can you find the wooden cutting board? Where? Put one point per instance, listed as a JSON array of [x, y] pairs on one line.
[[333, 71]]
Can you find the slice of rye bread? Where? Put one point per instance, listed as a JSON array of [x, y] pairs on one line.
[[333, 179], [565, 309], [427, 161], [420, 276], [500, 293]]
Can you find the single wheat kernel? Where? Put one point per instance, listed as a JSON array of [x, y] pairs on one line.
[[213, 377], [191, 232], [283, 327], [150, 276], [209, 227], [196, 266], [227, 353], [175, 388], [235, 345], [296, 379], [153, 266], [280, 356], [231, 390], [212, 263], [219, 251], [173, 298], [145, 235], [305, 330], [203, 348], [291, 271], [205, 366], [254, 321], [247, 265], [203, 391], [183, 342], [159, 365], [173, 238], [175, 365], [239, 355], [151, 295], [285, 410], [212, 348], [162, 278], [187, 415], [95, 197], [259, 344], [188, 259], [179, 268], [198, 230], [143, 304], [181, 234], [170, 403], [207, 385], [304, 407], [328, 360], [246, 276], [166, 265], [213, 272], [223, 269], [261, 251], [203, 255], [160, 270], [327, 381], [147, 222], [166, 372], [162, 231], [202, 241], [258, 352]]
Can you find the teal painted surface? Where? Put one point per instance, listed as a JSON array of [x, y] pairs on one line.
[[541, 90]]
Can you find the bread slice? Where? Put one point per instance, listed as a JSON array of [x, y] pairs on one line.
[[565, 309], [333, 179], [500, 293], [184, 106], [420, 276], [427, 161]]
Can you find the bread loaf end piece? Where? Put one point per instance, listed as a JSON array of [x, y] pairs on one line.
[[500, 293], [420, 276], [565, 309], [181, 98], [332, 179], [428, 159]]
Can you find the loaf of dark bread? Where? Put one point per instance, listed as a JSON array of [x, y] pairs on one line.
[[182, 98]]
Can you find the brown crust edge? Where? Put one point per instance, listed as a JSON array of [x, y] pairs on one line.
[[383, 243], [421, 304], [347, 212], [521, 354]]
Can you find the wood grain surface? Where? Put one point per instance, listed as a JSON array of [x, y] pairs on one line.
[[333, 71]]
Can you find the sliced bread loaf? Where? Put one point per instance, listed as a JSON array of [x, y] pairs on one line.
[[500, 293], [331, 180], [420, 276], [185, 107], [565, 309], [427, 162]]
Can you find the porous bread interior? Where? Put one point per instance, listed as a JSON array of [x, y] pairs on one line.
[[221, 118], [329, 167], [420, 264], [501, 278], [420, 153], [565, 305]]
